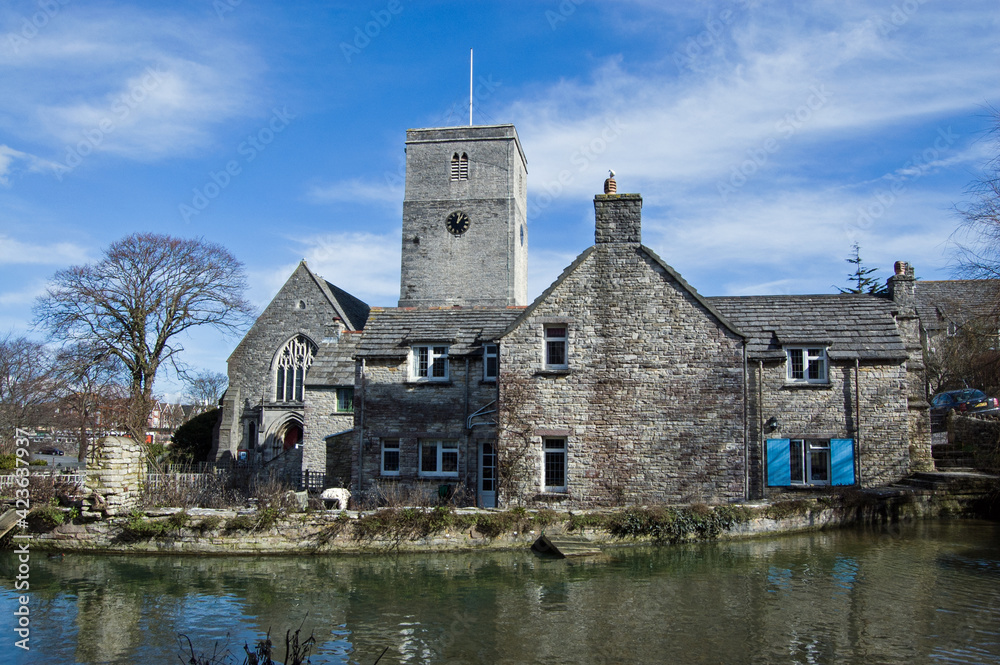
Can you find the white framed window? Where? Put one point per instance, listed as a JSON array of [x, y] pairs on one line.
[[806, 364], [429, 363], [491, 362], [459, 167], [809, 462], [390, 457], [290, 373], [554, 463], [555, 347], [438, 459], [345, 399]]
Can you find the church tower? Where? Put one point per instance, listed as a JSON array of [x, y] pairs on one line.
[[464, 218]]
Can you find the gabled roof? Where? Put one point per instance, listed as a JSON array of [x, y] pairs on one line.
[[352, 312], [850, 325], [391, 331], [956, 301], [571, 268]]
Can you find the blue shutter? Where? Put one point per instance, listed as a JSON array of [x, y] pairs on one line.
[[779, 472], [842, 460]]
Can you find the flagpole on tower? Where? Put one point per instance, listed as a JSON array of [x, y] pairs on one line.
[[470, 87]]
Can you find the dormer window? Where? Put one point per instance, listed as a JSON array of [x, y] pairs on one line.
[[429, 363], [806, 364], [459, 167]]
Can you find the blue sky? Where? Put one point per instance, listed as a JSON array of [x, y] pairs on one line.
[[765, 137]]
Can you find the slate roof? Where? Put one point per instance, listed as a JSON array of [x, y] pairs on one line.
[[333, 364], [352, 311], [391, 331], [956, 301], [571, 268], [850, 326]]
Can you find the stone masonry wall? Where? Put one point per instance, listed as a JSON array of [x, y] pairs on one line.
[[397, 408], [828, 411], [321, 420], [652, 403], [250, 375], [116, 475]]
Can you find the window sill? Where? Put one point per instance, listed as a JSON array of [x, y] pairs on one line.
[[440, 476], [429, 382], [554, 371], [792, 385], [549, 496]]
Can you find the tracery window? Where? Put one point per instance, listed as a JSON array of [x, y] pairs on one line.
[[293, 361]]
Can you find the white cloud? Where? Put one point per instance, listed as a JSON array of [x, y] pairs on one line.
[[143, 84], [16, 252], [10, 159]]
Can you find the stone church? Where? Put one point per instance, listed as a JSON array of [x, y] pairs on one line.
[[619, 384]]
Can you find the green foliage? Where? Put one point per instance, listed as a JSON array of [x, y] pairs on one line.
[[192, 442], [671, 525], [8, 461], [46, 518], [138, 527], [578, 521], [261, 520], [210, 523], [38, 462], [861, 277], [782, 509]]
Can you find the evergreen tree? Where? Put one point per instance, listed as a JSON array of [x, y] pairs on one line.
[[861, 277]]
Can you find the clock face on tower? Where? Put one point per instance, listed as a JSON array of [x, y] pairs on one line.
[[457, 223]]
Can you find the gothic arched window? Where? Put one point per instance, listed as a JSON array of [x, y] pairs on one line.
[[293, 361], [459, 167]]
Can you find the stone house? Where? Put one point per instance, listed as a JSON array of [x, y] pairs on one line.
[[618, 384]]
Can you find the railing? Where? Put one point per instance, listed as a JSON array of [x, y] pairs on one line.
[[77, 479]]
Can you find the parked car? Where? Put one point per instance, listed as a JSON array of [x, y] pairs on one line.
[[967, 400], [51, 451]]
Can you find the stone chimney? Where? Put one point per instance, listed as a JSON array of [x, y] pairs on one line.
[[903, 287], [619, 216]]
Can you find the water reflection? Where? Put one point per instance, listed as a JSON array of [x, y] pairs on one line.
[[928, 593]]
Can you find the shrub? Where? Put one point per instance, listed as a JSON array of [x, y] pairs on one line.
[[192, 442]]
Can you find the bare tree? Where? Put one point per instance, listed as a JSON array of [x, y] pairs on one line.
[[27, 386], [92, 393], [136, 300], [977, 240], [517, 452], [205, 387]]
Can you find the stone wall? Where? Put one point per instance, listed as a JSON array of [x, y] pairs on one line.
[[116, 475], [829, 411], [980, 436], [651, 405], [396, 408]]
